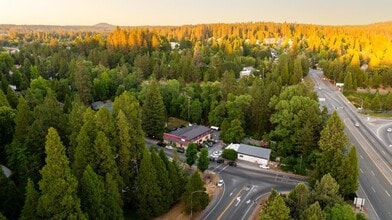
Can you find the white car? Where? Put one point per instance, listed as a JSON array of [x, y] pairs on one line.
[[169, 147], [220, 183], [357, 124], [389, 130], [264, 166]]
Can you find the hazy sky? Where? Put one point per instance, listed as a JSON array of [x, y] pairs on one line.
[[179, 12]]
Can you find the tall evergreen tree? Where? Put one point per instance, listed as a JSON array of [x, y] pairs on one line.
[[326, 191], [30, 206], [276, 210], [333, 142], [124, 149], [298, 199], [92, 194], [84, 152], [163, 182], [113, 202], [106, 123], [148, 191], [203, 161], [58, 186], [103, 161], [195, 197], [154, 115], [74, 126], [314, 211], [130, 106], [347, 177], [191, 154]]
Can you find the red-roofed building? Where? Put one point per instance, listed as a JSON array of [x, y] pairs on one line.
[[183, 136]]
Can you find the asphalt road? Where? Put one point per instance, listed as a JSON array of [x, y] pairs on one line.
[[244, 185], [374, 154]]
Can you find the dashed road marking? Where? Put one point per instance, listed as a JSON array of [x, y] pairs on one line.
[[361, 170], [372, 172], [361, 156], [387, 193], [373, 189]]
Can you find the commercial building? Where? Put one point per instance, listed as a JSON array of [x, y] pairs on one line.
[[252, 154], [183, 136]]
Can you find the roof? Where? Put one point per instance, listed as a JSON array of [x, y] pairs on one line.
[[251, 150], [6, 171], [99, 104], [190, 132]]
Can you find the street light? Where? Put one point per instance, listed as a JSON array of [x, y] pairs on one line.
[[202, 191]]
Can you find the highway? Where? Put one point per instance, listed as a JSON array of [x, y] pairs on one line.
[[374, 153]]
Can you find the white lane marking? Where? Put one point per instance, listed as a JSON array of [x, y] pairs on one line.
[[372, 172], [361, 170], [361, 156], [387, 193], [373, 189], [383, 152], [238, 201], [222, 169]]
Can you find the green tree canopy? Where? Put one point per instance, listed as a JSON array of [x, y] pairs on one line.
[[195, 197], [276, 210], [191, 154], [229, 154], [58, 186], [154, 112], [203, 160]]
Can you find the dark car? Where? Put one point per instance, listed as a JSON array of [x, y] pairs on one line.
[[181, 150], [232, 163], [161, 144], [220, 160], [212, 159]]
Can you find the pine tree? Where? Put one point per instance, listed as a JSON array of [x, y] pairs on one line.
[[93, 194], [163, 182], [314, 211], [58, 186], [148, 191], [203, 161], [195, 197], [347, 177], [191, 154], [276, 210], [74, 126], [30, 206], [298, 199], [154, 115], [124, 147], [333, 142], [113, 202], [84, 152], [106, 123], [130, 106], [326, 191], [104, 161]]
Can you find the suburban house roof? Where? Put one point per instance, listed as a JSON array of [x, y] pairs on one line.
[[190, 132], [99, 104], [251, 150]]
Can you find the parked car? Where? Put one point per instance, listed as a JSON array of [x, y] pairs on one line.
[[180, 150], [356, 124], [389, 130], [212, 158], [169, 147], [232, 163], [161, 144], [220, 183], [264, 166], [220, 160]]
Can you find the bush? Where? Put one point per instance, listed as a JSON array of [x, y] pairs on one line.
[[229, 154]]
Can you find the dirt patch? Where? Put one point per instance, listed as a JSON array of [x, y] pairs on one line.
[[177, 213]]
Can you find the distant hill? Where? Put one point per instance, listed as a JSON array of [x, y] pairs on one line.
[[104, 25]]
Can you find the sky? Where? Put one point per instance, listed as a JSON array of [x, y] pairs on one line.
[[181, 12]]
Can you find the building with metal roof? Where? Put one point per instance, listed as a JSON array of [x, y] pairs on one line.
[[251, 153], [183, 136]]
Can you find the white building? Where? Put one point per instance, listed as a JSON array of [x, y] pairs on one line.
[[252, 154], [247, 71]]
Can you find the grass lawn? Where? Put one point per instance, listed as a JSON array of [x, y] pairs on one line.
[[175, 122]]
